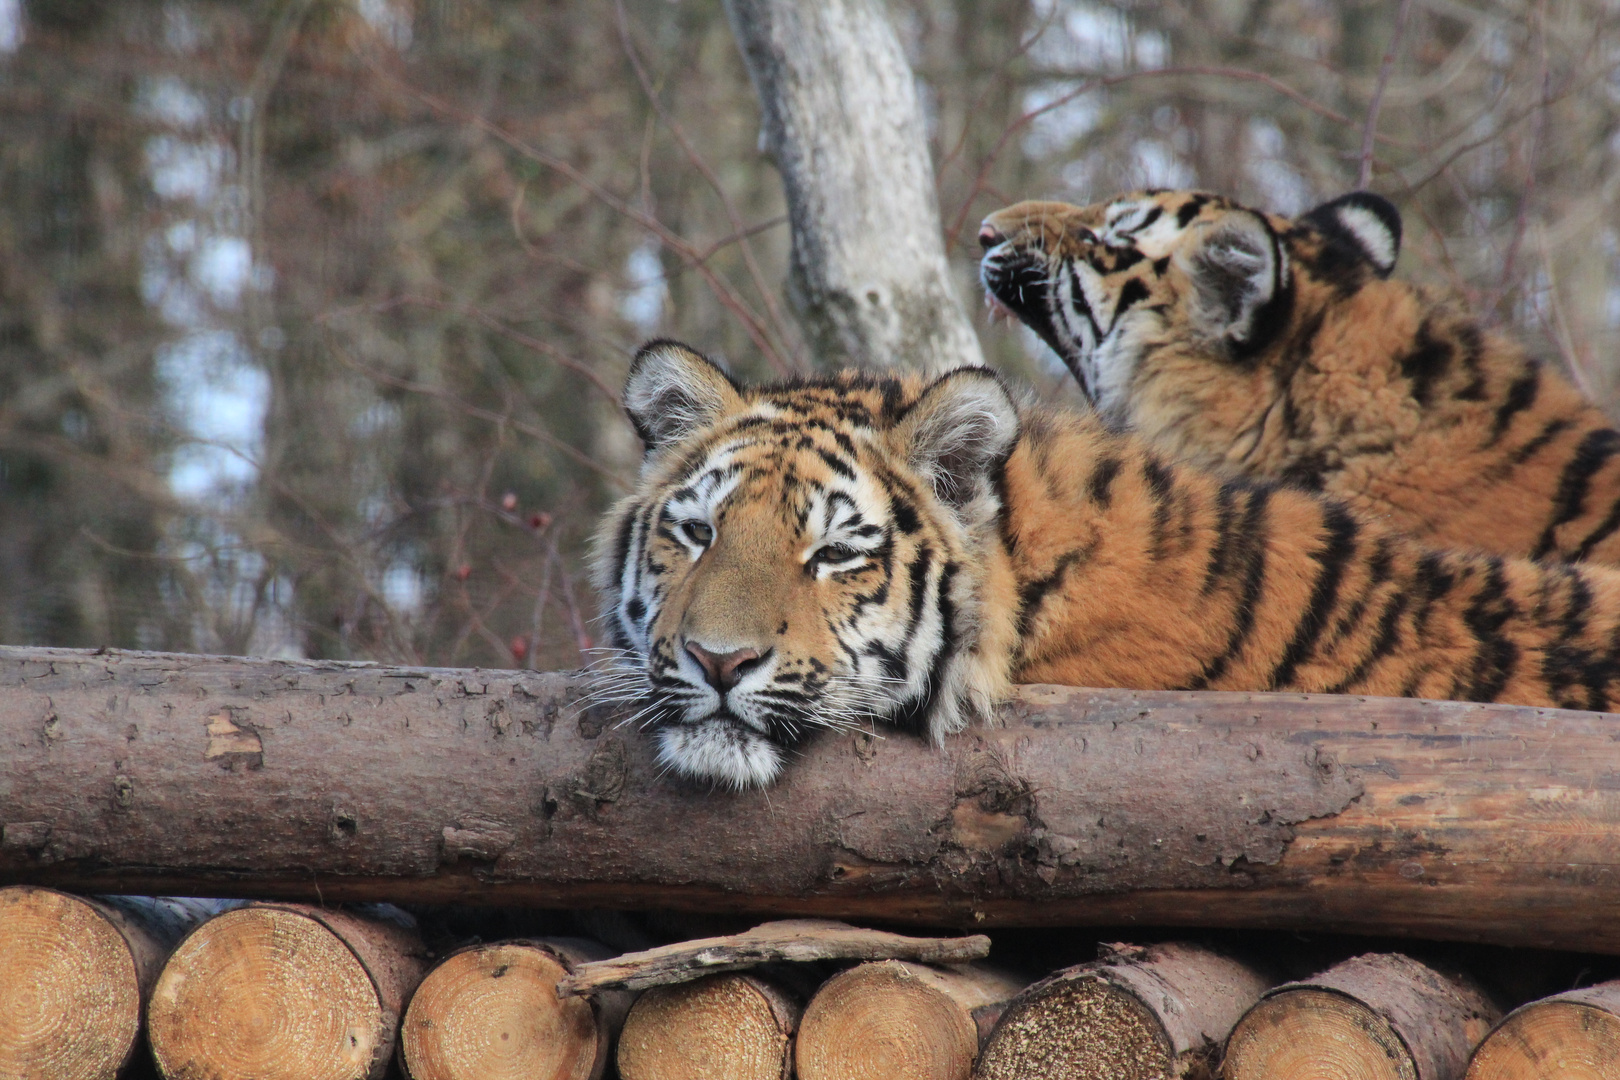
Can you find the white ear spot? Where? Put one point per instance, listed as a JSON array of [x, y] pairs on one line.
[[1369, 231]]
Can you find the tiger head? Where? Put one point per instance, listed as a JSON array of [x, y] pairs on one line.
[[803, 556], [1171, 308]]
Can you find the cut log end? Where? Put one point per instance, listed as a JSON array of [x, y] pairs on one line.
[[70, 999], [1085, 1029], [271, 993], [493, 1012], [893, 1018], [1555, 1039], [724, 1027], [1311, 1033]]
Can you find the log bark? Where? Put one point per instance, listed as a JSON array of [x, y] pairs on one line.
[[842, 121], [732, 1026], [492, 1012], [1142, 1014], [283, 992], [795, 940], [893, 1018], [1569, 1036], [74, 977], [206, 776], [1382, 1016]]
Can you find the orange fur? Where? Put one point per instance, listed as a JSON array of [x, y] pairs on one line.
[[1375, 391]]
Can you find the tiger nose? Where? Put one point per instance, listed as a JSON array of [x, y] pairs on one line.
[[722, 670], [990, 236]]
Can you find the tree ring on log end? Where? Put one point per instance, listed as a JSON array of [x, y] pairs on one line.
[[268, 993], [1567, 1040], [70, 998], [1084, 1029], [492, 1013], [883, 1020], [721, 1026], [1313, 1032]]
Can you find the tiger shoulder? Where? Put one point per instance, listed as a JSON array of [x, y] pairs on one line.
[[1283, 349], [852, 549]]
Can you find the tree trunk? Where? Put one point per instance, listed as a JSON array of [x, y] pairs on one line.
[[283, 992], [164, 774], [1569, 1036], [74, 977], [1143, 1014], [492, 1012], [1382, 1016], [842, 121], [724, 1027], [892, 1018]]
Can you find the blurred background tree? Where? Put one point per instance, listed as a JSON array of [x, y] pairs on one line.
[[313, 312]]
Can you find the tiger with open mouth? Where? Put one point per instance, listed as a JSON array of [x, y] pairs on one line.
[[858, 549], [1283, 349]]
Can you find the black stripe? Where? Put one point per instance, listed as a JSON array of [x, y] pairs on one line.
[[1520, 396], [917, 716], [1496, 656], [1225, 525], [1159, 479], [1598, 447], [836, 464], [1337, 547], [1102, 479], [1551, 431], [1428, 360], [1432, 580], [1250, 554], [1604, 530], [1383, 644], [1033, 594]]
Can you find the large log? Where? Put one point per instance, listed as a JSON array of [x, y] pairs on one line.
[[132, 772]]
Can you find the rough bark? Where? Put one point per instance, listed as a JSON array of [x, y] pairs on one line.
[[1141, 1014], [892, 1018], [1569, 1036], [492, 1012], [283, 992], [162, 774], [722, 1027], [796, 940], [74, 977], [843, 123], [1382, 1015]]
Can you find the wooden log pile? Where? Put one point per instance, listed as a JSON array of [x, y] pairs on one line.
[[193, 990]]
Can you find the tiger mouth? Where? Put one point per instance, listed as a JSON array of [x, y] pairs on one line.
[[1019, 281]]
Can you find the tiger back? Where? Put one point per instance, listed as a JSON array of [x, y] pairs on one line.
[[1282, 349], [854, 550]]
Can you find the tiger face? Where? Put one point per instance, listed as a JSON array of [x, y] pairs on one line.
[[1164, 304], [800, 557]]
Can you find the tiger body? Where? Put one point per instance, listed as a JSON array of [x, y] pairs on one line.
[[1279, 348], [864, 549]]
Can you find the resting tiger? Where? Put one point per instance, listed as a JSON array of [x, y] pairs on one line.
[[850, 549], [1279, 348]]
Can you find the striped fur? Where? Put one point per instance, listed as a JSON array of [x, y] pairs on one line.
[[899, 551], [1279, 348]]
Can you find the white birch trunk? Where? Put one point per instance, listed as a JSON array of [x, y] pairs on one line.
[[842, 121]]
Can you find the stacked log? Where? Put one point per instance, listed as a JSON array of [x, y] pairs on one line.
[[492, 1012], [1381, 1016], [1569, 1036], [74, 977], [732, 1026], [283, 992], [1136, 1014], [891, 1018]]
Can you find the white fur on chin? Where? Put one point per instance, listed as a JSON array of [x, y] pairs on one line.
[[721, 751]]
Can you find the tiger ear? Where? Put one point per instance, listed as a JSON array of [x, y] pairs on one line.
[[959, 432], [1369, 223], [1239, 273], [673, 391]]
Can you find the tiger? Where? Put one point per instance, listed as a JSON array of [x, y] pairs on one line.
[[852, 549], [1282, 348]]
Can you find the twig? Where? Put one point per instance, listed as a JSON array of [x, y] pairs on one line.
[[787, 939], [1369, 131]]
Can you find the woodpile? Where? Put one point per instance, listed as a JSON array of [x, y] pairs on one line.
[[265, 991]]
